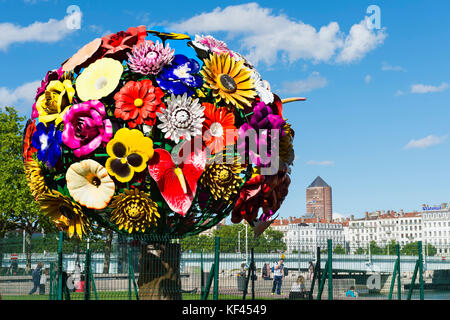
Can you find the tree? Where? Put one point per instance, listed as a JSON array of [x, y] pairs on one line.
[[412, 249], [375, 249], [17, 205], [430, 250], [390, 248], [360, 251], [339, 249]]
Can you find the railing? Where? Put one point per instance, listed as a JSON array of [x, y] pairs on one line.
[[215, 271]]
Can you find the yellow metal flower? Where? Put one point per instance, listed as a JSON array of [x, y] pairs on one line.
[[35, 179], [99, 79], [67, 215], [54, 102], [129, 152], [222, 179], [134, 210], [229, 79]]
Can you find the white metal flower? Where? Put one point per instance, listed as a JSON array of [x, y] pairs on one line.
[[182, 117], [262, 87]]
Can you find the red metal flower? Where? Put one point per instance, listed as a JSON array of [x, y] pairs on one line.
[[138, 102], [116, 45], [28, 148], [218, 128]]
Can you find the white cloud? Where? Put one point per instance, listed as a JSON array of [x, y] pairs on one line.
[[367, 78], [320, 163], [421, 88], [21, 97], [387, 67], [51, 31], [426, 142], [313, 81], [359, 42], [399, 93], [267, 36]]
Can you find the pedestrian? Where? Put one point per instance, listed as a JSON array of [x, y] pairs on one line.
[[351, 293], [81, 284], [43, 281], [65, 288], [36, 277], [14, 267], [278, 275], [298, 289], [310, 271]]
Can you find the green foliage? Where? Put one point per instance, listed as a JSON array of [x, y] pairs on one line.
[[233, 238], [375, 249], [17, 205], [339, 249], [412, 249]]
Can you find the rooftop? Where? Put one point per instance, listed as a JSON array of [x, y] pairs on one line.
[[318, 182]]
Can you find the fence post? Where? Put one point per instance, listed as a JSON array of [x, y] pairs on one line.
[[60, 265], [399, 281], [421, 271], [316, 274], [202, 275], [252, 265], [330, 270], [129, 273], [50, 294], [87, 277], [216, 269]]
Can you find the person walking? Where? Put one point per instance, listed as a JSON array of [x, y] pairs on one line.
[[278, 275], [36, 277], [310, 271], [43, 281]]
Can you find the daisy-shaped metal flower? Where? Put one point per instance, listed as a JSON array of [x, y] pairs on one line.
[[183, 117], [223, 179], [229, 80], [134, 211]]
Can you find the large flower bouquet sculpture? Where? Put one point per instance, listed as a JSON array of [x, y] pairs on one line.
[[128, 135]]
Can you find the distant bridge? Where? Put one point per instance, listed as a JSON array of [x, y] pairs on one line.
[[341, 262]]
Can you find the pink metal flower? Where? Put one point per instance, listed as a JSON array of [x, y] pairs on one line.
[[86, 127], [209, 43], [149, 58]]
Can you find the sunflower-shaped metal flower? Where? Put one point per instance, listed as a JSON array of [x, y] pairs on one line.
[[183, 117], [35, 178], [223, 179], [67, 215], [229, 80], [134, 210]]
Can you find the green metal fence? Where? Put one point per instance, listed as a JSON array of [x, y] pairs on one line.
[[172, 269]]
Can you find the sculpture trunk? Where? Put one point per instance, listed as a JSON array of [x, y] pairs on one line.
[[159, 272]]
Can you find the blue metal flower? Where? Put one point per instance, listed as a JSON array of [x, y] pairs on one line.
[[180, 76], [47, 142]]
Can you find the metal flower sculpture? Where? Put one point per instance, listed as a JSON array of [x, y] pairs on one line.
[[131, 135]]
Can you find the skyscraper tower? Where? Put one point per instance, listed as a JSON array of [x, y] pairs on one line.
[[318, 200]]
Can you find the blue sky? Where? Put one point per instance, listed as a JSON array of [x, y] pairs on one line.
[[375, 125]]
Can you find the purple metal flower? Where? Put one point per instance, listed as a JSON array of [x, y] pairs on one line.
[[260, 132]]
